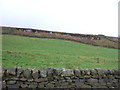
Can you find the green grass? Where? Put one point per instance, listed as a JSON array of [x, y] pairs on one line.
[[38, 53]]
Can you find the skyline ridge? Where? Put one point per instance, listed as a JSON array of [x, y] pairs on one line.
[[57, 30]]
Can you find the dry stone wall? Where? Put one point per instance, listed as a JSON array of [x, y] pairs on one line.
[[60, 78], [92, 37]]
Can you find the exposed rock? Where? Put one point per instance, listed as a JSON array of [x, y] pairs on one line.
[[80, 81], [30, 80], [42, 85], [93, 72], [41, 80], [102, 82], [50, 85], [4, 84], [19, 71], [33, 85], [82, 72], [11, 82], [13, 86], [86, 71], [100, 72], [82, 85], [58, 71], [11, 71], [50, 72], [77, 72], [15, 79], [27, 73], [92, 80], [67, 72], [23, 79], [35, 73], [43, 73], [24, 85]]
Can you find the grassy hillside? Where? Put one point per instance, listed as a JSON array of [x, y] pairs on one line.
[[104, 41], [52, 53]]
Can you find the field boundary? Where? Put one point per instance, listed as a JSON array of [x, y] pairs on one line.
[[95, 40], [60, 78], [105, 46]]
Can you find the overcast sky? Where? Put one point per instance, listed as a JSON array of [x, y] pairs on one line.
[[76, 16]]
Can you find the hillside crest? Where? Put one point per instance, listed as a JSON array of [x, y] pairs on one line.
[[96, 40]]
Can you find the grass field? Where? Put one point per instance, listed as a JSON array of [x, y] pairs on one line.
[[52, 53]]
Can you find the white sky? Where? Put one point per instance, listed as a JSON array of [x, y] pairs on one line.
[[76, 16]]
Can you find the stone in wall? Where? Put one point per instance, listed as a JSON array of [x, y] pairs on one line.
[[50, 72], [67, 72], [43, 72], [35, 73], [19, 71], [27, 73], [77, 72], [11, 71]]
